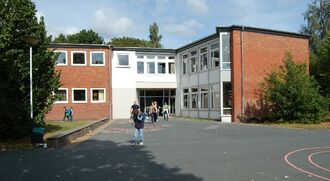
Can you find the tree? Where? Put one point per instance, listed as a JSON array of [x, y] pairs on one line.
[[293, 94], [317, 25], [318, 22], [84, 36], [17, 19], [154, 37], [323, 59], [61, 39], [129, 42]]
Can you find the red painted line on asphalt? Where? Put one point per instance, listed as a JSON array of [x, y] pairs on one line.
[[300, 169], [313, 163]]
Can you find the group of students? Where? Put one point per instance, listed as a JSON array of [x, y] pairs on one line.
[[139, 118], [68, 114]]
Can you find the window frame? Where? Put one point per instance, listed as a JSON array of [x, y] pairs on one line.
[[161, 62], [212, 97], [91, 93], [86, 98], [185, 64], [66, 57], [121, 54], [191, 97], [148, 62], [201, 62], [222, 52], [183, 95], [212, 51], [202, 94], [196, 61], [85, 58], [66, 97], [91, 58]]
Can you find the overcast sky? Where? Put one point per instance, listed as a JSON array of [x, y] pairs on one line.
[[180, 21]]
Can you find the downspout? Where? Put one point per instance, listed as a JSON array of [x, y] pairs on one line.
[[110, 83], [242, 73]]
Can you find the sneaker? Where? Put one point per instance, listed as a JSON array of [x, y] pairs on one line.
[[133, 144], [141, 143]]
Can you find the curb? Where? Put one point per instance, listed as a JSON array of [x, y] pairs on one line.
[[66, 137]]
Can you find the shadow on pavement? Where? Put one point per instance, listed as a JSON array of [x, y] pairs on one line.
[[90, 160]]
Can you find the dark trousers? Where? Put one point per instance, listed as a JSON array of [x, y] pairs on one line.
[[154, 117]]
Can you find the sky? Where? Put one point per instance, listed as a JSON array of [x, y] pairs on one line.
[[180, 21]]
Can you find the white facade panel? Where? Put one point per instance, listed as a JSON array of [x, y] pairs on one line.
[[204, 114], [203, 78], [226, 76], [193, 80], [214, 76], [122, 99]]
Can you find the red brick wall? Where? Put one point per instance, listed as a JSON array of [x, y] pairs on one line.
[[262, 53], [84, 77]]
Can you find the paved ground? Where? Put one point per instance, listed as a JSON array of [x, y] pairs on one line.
[[180, 150]]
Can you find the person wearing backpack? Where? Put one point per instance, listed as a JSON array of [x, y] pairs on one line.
[[70, 114], [139, 125]]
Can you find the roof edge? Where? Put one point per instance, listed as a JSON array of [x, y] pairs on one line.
[[261, 30], [76, 45]]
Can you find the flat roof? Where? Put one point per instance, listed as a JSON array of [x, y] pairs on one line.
[[145, 49], [77, 45]]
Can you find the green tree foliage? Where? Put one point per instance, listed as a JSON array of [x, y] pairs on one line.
[[317, 25], [323, 68], [84, 36], [129, 42], [154, 37], [17, 19], [318, 22], [293, 94]]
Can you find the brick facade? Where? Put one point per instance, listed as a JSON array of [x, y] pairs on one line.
[[262, 53], [84, 77]]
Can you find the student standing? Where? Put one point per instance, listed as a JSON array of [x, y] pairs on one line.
[[139, 125], [165, 111]]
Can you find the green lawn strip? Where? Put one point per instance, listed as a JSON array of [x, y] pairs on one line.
[[54, 127], [51, 128], [322, 126]]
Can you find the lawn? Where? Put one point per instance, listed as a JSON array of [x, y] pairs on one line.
[[52, 128], [322, 126]]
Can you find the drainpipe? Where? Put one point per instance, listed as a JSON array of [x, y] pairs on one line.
[[110, 83], [242, 73]]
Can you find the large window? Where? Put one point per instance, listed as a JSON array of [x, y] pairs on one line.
[[78, 58], [215, 96], [61, 95], [185, 94], [79, 95], [184, 64], [193, 61], [171, 68], [225, 51], [123, 60], [98, 95], [227, 98], [161, 67], [61, 59], [151, 67], [203, 59], [194, 98], [215, 56], [140, 67], [97, 58], [204, 97]]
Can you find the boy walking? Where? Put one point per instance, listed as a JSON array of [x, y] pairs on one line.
[[139, 125]]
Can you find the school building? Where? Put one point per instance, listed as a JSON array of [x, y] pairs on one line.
[[216, 77]]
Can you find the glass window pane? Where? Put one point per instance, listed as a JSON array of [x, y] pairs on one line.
[[161, 68], [151, 67], [79, 95], [97, 58], [170, 57], [139, 56], [171, 68], [123, 60], [60, 95], [61, 59], [225, 48], [227, 95], [98, 95], [225, 65], [161, 57], [140, 67], [150, 57], [215, 96], [78, 58]]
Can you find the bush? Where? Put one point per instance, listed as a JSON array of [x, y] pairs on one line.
[[294, 95]]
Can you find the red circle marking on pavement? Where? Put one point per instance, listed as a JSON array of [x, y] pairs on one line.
[[300, 169], [312, 162]]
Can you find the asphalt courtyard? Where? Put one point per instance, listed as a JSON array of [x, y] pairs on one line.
[[180, 150]]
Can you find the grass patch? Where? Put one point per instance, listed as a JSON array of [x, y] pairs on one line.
[[51, 128], [321, 126]]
